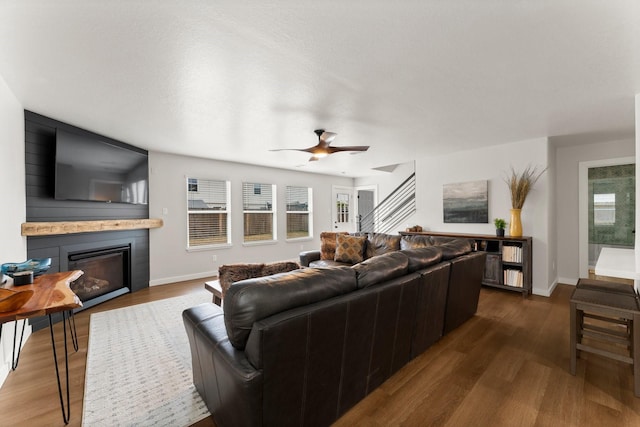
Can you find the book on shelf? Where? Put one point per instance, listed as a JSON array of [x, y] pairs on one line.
[[512, 253], [513, 278]]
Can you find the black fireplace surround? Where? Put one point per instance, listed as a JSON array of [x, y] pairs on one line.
[[66, 250]]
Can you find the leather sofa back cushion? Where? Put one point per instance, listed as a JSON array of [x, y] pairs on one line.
[[414, 242], [350, 249], [380, 244], [381, 268], [251, 300], [328, 244], [455, 248], [420, 258]]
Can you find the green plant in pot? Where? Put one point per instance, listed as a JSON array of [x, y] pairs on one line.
[[500, 226]]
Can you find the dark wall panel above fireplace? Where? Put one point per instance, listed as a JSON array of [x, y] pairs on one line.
[[41, 206], [40, 142]]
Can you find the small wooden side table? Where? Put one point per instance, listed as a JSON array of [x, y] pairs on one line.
[[611, 307], [52, 294], [214, 287]]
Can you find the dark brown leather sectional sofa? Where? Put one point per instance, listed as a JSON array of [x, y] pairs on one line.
[[301, 348]]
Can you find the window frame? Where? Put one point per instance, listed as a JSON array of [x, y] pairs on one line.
[[192, 183], [309, 213], [250, 188]]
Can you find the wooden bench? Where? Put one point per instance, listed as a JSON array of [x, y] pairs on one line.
[[616, 312]]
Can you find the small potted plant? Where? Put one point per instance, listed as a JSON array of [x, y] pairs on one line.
[[500, 226]]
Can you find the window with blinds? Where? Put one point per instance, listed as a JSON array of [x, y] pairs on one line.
[[298, 212], [208, 212], [258, 204]]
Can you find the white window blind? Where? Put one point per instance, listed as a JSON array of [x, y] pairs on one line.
[[208, 212], [258, 204], [298, 212]]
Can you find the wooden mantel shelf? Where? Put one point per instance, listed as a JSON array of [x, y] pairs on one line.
[[71, 227]]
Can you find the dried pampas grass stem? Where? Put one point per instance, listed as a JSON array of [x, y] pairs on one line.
[[521, 183]]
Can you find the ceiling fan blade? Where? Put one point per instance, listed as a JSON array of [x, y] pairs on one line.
[[349, 148], [328, 137], [306, 150]]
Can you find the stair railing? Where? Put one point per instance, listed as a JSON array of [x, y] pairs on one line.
[[389, 213]]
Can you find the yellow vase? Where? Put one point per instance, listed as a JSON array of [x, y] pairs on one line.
[[515, 225]]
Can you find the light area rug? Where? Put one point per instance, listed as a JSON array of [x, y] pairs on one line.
[[139, 366]]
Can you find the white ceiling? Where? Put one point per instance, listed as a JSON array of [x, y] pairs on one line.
[[232, 79]]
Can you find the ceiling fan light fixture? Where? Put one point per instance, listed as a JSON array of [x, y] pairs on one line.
[[320, 154], [324, 148]]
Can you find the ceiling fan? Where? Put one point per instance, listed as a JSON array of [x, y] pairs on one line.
[[324, 147]]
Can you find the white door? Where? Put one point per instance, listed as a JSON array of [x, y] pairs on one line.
[[342, 209]]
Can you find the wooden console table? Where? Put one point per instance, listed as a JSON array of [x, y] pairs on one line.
[[509, 259], [52, 294]]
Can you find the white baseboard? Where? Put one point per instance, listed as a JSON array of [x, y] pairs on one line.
[[184, 278], [567, 281], [546, 292]]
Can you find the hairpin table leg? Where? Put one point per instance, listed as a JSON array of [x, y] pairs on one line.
[[72, 329], [66, 412], [15, 359]]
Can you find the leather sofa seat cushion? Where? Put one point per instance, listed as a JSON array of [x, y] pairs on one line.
[[414, 242], [381, 243], [328, 244], [350, 249], [381, 268], [251, 300], [455, 248], [421, 258]]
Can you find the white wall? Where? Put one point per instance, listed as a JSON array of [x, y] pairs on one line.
[[13, 214], [568, 159], [552, 225], [491, 164], [169, 259]]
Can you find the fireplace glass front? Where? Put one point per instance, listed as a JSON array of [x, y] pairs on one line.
[[105, 271]]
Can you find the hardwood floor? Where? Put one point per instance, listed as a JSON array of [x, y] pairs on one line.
[[29, 395], [507, 366]]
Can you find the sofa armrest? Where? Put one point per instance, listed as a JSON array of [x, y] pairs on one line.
[[229, 385], [307, 257]]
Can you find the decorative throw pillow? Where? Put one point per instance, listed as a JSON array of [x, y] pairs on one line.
[[328, 244], [350, 249]]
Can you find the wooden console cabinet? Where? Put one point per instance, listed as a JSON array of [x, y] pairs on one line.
[[509, 259]]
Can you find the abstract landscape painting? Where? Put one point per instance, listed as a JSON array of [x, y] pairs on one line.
[[466, 202]]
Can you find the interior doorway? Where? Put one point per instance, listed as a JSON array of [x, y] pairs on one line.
[[367, 200], [342, 214], [607, 208]]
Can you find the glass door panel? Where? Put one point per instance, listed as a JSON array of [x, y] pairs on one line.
[[611, 208]]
